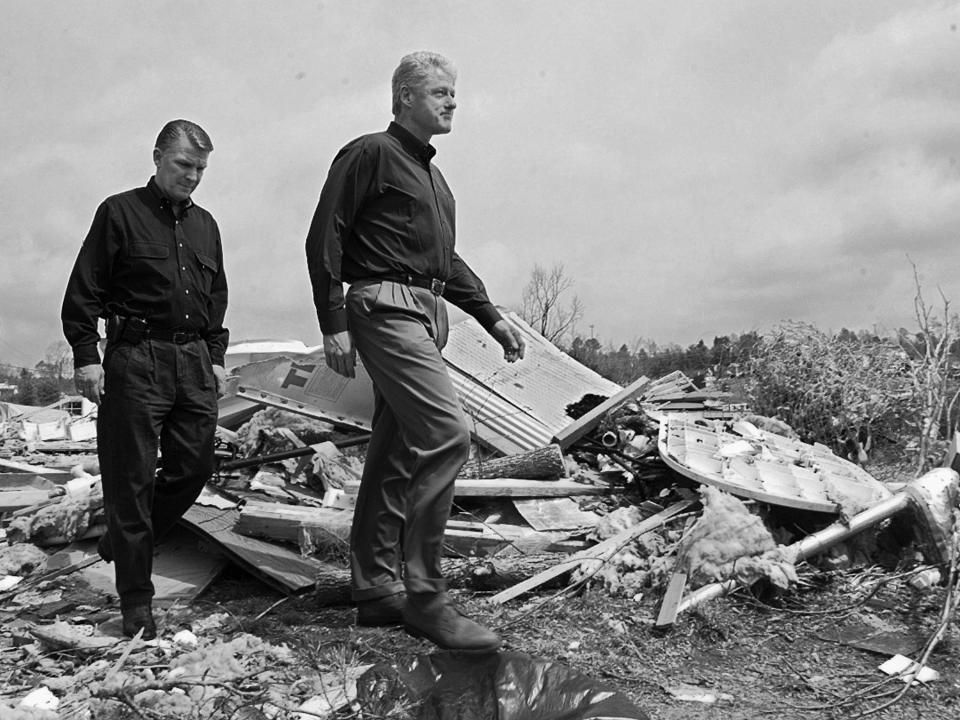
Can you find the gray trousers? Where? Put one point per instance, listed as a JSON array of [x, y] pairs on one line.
[[419, 441]]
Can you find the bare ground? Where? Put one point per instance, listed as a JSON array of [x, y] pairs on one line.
[[778, 659]]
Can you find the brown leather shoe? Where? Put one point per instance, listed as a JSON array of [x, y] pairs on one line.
[[434, 617], [381, 612], [136, 617]]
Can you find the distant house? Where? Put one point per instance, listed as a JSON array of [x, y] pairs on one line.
[[7, 391]]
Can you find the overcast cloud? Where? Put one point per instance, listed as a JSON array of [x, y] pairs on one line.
[[699, 168]]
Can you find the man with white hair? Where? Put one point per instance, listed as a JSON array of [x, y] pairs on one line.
[[384, 224]]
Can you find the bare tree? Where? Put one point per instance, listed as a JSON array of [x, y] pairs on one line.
[[931, 369], [56, 360], [542, 298]]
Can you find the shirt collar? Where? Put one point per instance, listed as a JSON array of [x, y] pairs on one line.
[[411, 143], [162, 199]]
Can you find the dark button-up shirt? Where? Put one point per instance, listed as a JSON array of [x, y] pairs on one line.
[[385, 209], [140, 260]]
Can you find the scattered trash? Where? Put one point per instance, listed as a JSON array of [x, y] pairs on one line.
[[907, 670], [495, 686]]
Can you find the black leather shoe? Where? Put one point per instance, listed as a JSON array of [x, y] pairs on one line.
[[136, 617], [103, 548], [381, 612], [434, 617]]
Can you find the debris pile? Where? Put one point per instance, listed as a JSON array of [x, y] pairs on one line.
[[645, 491]]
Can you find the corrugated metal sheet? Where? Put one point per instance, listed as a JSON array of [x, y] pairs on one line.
[[511, 407], [524, 402]]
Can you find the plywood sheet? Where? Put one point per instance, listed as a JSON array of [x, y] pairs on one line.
[[277, 566], [181, 571]]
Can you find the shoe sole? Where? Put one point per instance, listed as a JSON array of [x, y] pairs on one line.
[[379, 623], [414, 632]]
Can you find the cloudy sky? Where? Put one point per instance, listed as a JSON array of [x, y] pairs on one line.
[[698, 168]]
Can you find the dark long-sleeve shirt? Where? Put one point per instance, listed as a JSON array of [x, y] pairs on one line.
[[384, 210], [140, 260]]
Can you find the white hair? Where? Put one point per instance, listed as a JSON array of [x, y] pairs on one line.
[[413, 71]]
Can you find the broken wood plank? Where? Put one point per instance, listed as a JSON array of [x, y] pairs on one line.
[[276, 565], [670, 605], [18, 499], [587, 422], [538, 464], [181, 570], [601, 551], [277, 521], [34, 481], [513, 487], [28, 468]]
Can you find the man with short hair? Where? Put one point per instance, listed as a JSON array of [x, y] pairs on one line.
[[385, 225], [152, 267]]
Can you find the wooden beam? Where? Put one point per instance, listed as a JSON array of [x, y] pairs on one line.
[[601, 551], [508, 487], [586, 423], [538, 464]]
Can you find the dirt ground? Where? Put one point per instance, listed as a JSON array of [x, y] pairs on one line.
[[785, 658], [812, 652], [789, 657]]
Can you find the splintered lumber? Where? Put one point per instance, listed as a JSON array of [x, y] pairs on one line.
[[277, 521], [601, 551], [275, 565], [541, 463], [506, 487], [64, 636], [587, 422]]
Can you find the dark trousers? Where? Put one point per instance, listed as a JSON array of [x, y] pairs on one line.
[[418, 444], [157, 395]]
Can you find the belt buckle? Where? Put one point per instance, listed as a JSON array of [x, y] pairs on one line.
[[437, 286], [180, 337]]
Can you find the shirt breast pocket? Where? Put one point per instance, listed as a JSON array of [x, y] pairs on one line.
[[208, 268], [149, 251]]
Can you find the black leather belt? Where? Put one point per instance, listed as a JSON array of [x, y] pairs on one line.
[[175, 336], [421, 281], [134, 329]]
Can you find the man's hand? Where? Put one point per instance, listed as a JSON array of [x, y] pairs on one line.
[[510, 339], [220, 379], [340, 353], [89, 382]]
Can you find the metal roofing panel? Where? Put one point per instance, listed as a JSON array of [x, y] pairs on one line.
[[541, 385]]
